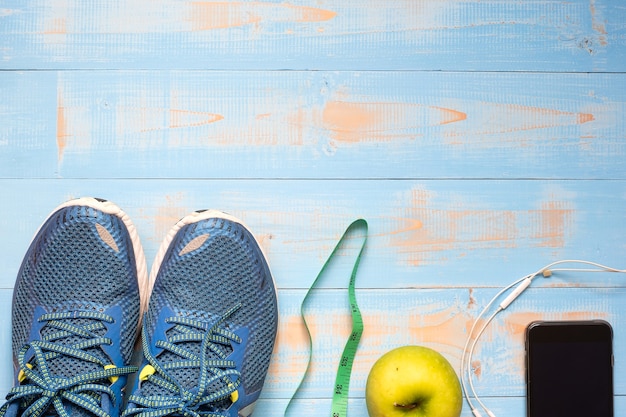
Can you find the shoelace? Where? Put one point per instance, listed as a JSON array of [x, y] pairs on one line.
[[40, 388], [218, 376]]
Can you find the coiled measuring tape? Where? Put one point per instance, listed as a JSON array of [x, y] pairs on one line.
[[339, 405]]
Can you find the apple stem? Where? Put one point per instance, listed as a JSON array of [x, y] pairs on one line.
[[406, 406]]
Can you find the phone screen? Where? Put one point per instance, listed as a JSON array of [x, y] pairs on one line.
[[569, 369]]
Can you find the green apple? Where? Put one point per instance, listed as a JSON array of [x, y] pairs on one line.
[[413, 381]]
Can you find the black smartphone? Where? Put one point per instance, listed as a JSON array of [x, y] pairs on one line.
[[569, 369]]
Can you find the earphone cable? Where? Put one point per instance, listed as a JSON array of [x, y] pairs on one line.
[[466, 362], [520, 286], [469, 367]]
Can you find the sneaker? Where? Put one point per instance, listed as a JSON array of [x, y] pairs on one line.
[[209, 332], [76, 311]]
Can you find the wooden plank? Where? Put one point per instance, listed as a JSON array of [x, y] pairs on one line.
[[507, 406], [27, 101], [439, 319], [480, 139], [435, 233], [249, 124], [495, 35], [435, 318]]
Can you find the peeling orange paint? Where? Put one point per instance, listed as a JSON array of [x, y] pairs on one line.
[[54, 22], [168, 214], [329, 331], [440, 326], [148, 119], [471, 300], [265, 241], [171, 16], [58, 26], [205, 15], [496, 118], [345, 118], [293, 342], [74, 121], [298, 120], [288, 368], [445, 230], [516, 323], [585, 118], [552, 220], [293, 335], [531, 118], [444, 328], [404, 225], [351, 121], [597, 24], [186, 118], [455, 229], [61, 127], [477, 368]]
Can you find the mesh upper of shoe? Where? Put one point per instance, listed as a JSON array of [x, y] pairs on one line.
[[81, 260], [204, 282]]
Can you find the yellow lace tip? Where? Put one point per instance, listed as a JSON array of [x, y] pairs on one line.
[[21, 376], [234, 396], [113, 379], [146, 372]]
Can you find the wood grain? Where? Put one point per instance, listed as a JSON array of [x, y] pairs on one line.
[[480, 140], [495, 35], [501, 406], [423, 233], [259, 124], [436, 318]]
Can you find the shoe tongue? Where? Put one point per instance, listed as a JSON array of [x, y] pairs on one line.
[[69, 366], [65, 366], [189, 377]]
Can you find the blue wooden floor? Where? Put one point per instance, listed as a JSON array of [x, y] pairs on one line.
[[480, 140]]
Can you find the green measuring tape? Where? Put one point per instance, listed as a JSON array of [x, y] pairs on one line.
[[339, 406]]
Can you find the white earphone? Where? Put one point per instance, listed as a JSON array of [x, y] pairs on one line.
[[514, 290]]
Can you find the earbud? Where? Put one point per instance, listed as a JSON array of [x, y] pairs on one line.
[[518, 286]]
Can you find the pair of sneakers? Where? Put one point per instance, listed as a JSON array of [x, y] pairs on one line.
[[207, 315]]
